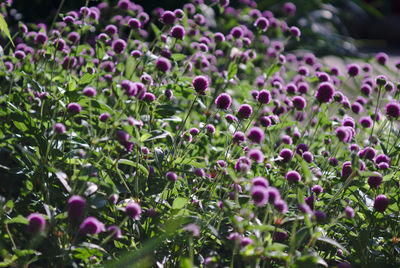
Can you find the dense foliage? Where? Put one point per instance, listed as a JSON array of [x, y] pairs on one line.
[[192, 138]]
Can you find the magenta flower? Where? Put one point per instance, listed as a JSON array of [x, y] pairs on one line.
[[200, 84], [293, 176], [325, 92], [256, 135], [259, 195], [36, 223], [381, 203], [74, 108], [76, 206], [223, 101], [133, 210]]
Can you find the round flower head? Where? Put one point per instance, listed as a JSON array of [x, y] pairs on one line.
[[281, 206], [74, 108], [349, 211], [260, 181], [366, 121], [381, 80], [36, 223], [256, 155], [168, 17], [293, 176], [237, 32], [259, 195], [115, 228], [356, 107], [319, 216], [200, 84], [194, 131], [243, 165], [246, 241], [286, 155], [41, 38], [171, 176], [261, 23], [134, 23], [163, 64], [192, 228], [178, 32], [133, 210], [264, 96], [353, 69], [308, 157], [301, 148], [256, 135], [76, 206], [89, 92], [304, 208], [295, 31], [344, 133], [393, 109], [199, 172], [317, 189], [381, 203], [91, 225], [382, 159], [104, 117], [210, 129], [239, 137], [244, 111], [289, 8], [299, 102], [223, 101], [59, 128], [325, 92], [149, 97], [119, 46], [382, 58], [375, 181]]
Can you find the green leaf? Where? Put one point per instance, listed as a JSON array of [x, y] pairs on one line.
[[178, 56], [127, 162], [156, 31], [130, 64], [4, 28], [179, 203], [86, 78], [232, 70], [186, 263], [145, 136], [18, 219], [273, 69], [333, 243]]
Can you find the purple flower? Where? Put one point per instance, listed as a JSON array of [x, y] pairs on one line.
[[163, 64], [264, 96], [200, 84], [89, 92], [210, 129], [305, 208], [256, 135], [74, 108], [149, 97], [36, 223], [366, 121], [199, 172], [246, 241], [317, 189], [301, 148], [325, 92], [299, 102], [295, 31], [171, 176], [260, 181], [393, 109], [104, 117], [289, 8], [353, 69], [382, 58], [261, 23], [193, 228], [178, 32], [91, 225], [344, 133], [114, 228], [243, 165], [293, 176], [381, 203], [286, 155], [244, 111], [223, 101], [134, 23], [239, 137], [280, 237], [259, 195], [59, 128], [76, 206], [256, 155], [273, 194], [375, 181], [237, 32], [382, 159], [133, 210], [349, 211], [41, 38], [319, 216], [281, 206], [168, 17]]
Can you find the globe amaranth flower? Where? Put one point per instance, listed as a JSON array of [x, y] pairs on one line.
[[295, 31], [259, 195], [210, 129], [293, 176], [308, 157], [382, 58], [349, 211], [178, 32], [289, 8], [345, 133], [299, 102], [89, 92], [92, 226], [393, 109], [59, 128], [264, 96], [134, 23], [375, 180], [273, 194], [200, 84], [115, 229], [163, 64], [74, 108], [41, 38], [262, 23], [286, 155], [36, 223], [325, 92], [171, 176], [223, 101], [246, 241], [243, 165], [244, 111], [260, 181], [168, 17], [199, 172], [281, 206], [381, 203], [318, 216], [366, 121], [104, 117], [256, 155], [192, 228], [256, 135], [317, 189], [133, 210], [353, 69], [237, 32], [239, 137], [76, 207]]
